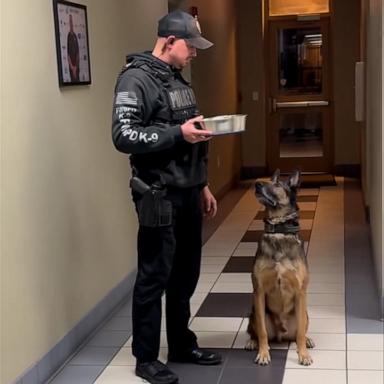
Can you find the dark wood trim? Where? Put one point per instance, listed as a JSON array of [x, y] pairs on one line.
[[348, 170]]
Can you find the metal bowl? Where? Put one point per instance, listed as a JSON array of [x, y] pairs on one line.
[[225, 124]]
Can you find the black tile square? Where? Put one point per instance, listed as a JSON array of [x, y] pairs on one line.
[[192, 374], [239, 264], [307, 215], [263, 375], [252, 236], [242, 358], [241, 361], [226, 305], [307, 199], [260, 215]]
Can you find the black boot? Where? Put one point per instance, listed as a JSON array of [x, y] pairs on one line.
[[196, 356], [155, 372]]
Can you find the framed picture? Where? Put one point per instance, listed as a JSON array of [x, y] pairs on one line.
[[72, 43]]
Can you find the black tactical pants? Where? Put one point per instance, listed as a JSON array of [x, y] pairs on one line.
[[168, 261]]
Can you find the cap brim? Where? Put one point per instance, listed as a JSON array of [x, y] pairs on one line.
[[199, 42]]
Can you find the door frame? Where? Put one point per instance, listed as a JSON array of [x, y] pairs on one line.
[[272, 23]]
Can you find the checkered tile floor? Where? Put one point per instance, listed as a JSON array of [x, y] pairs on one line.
[[222, 302]]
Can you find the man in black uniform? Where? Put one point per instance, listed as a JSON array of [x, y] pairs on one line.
[[156, 120]]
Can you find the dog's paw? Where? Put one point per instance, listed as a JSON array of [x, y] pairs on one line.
[[263, 358], [305, 358], [251, 345], [310, 343]]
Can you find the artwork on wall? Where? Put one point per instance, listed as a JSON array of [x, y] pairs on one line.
[[72, 43]]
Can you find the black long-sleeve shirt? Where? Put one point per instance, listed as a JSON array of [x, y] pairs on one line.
[[151, 102]]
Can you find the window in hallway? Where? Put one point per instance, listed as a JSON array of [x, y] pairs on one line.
[[297, 7]]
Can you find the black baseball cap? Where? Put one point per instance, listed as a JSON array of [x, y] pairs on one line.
[[183, 26]]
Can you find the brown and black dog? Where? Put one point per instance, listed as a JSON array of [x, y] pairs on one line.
[[280, 273]]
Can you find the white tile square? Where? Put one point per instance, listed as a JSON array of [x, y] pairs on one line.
[[372, 360], [314, 376], [233, 287], [327, 299], [163, 341], [208, 277], [194, 309], [246, 249], [324, 268], [203, 287], [209, 260], [124, 357], [326, 341], [233, 277], [325, 278], [118, 375], [198, 298], [219, 324], [327, 325], [325, 287], [211, 268], [321, 360], [365, 376], [326, 312], [365, 342]]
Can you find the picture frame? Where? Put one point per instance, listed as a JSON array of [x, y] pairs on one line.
[[72, 43]]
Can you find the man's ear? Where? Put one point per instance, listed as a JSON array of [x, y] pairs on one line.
[[294, 179], [170, 40], [275, 176]]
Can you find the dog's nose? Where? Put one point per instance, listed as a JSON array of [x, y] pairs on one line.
[[258, 187]]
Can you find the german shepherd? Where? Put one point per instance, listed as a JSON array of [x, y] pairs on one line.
[[280, 273]]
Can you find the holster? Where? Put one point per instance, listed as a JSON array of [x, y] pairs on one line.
[[153, 209]]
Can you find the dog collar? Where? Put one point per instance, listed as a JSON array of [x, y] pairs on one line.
[[290, 227], [285, 225]]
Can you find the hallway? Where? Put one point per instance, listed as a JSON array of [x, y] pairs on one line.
[[342, 304]]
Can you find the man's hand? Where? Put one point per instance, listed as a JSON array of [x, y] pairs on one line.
[[192, 134], [209, 203]]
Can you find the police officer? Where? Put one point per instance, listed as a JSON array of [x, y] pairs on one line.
[[155, 119]]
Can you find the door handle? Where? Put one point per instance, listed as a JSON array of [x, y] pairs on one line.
[[299, 104]]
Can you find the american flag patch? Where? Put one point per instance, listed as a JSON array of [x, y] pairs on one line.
[[126, 98]]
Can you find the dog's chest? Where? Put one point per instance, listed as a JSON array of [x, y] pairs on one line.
[[279, 263]]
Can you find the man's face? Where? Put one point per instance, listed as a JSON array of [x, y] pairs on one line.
[[181, 53]]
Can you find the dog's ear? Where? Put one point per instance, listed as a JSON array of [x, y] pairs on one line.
[[294, 179], [275, 176]]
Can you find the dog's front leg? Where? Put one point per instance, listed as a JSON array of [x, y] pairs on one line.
[[263, 357], [302, 323]]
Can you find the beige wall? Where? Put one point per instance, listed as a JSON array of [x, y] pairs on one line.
[[67, 223], [214, 80], [252, 79], [375, 123], [345, 52]]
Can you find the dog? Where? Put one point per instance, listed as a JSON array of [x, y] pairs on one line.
[[280, 273]]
